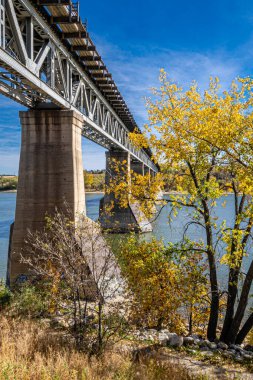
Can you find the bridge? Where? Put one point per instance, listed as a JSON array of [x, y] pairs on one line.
[[49, 64]]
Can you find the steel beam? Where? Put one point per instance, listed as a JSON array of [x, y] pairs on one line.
[[48, 72]]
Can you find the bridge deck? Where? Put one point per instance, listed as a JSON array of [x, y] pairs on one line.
[[95, 66]]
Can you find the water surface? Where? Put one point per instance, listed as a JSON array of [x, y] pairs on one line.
[[7, 213], [161, 228]]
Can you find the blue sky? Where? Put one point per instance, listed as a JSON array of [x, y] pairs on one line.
[[190, 39]]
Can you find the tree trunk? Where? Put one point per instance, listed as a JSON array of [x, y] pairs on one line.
[[244, 330], [233, 331], [234, 276], [232, 293], [214, 311]]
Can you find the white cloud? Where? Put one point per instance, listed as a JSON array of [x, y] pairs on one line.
[[136, 74]]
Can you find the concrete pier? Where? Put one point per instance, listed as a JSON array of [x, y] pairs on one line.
[[137, 167], [121, 219], [50, 176]]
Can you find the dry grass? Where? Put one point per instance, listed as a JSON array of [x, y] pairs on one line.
[[30, 351]]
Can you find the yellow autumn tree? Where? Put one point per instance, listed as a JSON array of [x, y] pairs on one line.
[[203, 143], [162, 284]]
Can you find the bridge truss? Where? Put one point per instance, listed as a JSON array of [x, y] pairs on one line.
[[48, 59]]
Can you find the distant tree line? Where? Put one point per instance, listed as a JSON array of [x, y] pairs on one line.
[[8, 183], [94, 180]]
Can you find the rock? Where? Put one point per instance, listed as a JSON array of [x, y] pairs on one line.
[[239, 358], [176, 341], [247, 357], [203, 343], [197, 341], [162, 336], [211, 345], [204, 348], [222, 345], [188, 341], [217, 351], [165, 331], [236, 348], [248, 353], [248, 347], [163, 339], [232, 351], [228, 354]]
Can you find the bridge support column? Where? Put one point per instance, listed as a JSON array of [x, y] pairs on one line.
[[120, 219], [137, 167], [50, 176]]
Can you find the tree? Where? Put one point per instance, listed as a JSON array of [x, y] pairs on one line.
[[86, 287], [195, 136], [88, 179], [163, 283]]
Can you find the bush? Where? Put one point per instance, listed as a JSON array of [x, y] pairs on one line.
[[168, 289], [5, 296], [31, 301]]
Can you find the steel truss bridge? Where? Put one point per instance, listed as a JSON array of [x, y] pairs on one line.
[[47, 59]]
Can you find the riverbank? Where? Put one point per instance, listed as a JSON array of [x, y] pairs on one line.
[[25, 354], [88, 191], [8, 191]]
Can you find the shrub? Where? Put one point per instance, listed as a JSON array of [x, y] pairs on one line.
[[168, 289], [5, 296], [30, 300]]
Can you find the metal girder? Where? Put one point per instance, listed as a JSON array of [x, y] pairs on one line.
[[82, 48], [102, 75], [94, 68], [47, 72], [75, 35], [91, 58], [63, 19], [54, 2]]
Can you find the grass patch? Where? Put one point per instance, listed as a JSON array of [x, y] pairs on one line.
[[30, 350]]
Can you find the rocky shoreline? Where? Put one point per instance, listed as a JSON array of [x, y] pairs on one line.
[[196, 344]]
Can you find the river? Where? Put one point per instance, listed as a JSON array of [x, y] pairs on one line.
[[161, 228]]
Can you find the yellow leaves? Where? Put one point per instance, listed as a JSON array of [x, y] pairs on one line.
[[162, 285], [138, 140]]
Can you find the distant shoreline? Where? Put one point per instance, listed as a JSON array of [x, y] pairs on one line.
[[94, 192], [89, 192], [8, 191]]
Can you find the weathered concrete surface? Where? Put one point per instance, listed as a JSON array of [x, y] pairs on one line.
[[50, 174], [121, 219]]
